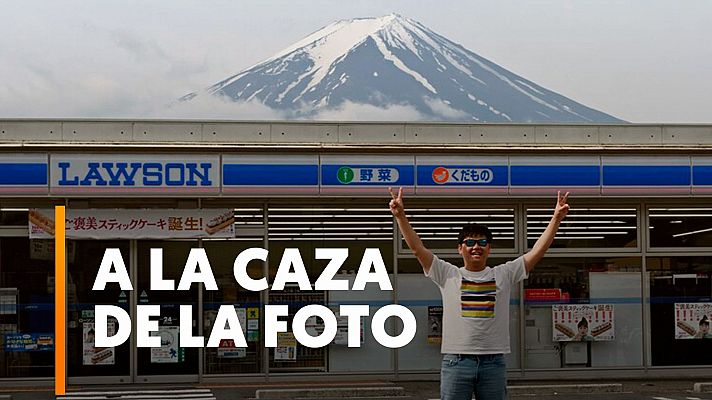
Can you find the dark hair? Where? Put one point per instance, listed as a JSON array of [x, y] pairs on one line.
[[474, 230], [704, 321], [583, 322]]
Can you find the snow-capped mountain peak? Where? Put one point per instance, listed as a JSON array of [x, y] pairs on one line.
[[395, 60]]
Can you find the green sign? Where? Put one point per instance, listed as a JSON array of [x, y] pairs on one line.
[[345, 175]]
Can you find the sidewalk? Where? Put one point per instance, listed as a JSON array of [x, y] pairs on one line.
[[419, 390]]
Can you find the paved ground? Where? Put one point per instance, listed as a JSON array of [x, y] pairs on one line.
[[632, 390]]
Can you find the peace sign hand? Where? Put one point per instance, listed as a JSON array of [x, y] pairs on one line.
[[562, 206], [396, 204]]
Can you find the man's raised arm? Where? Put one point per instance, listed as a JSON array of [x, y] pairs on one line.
[[537, 252], [424, 256]]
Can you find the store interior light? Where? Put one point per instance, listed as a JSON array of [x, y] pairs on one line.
[[460, 222], [585, 209], [570, 237], [692, 232], [681, 209], [489, 210], [15, 209], [330, 228], [460, 216], [548, 216], [570, 222], [580, 228], [679, 215]]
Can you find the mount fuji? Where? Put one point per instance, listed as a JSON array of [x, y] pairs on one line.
[[393, 60]]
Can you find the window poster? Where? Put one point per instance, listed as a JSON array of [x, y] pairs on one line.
[[692, 320], [169, 351], [96, 355], [583, 322], [286, 349], [435, 324]]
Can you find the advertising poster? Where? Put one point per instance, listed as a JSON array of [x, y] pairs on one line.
[[435, 324], [8, 300], [21, 342], [286, 349], [583, 322], [228, 349], [168, 352], [692, 320], [342, 329], [135, 224], [96, 355], [242, 317]]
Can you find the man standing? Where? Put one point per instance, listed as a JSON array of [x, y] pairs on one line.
[[475, 303]]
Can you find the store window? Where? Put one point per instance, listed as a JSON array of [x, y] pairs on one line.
[[587, 227], [353, 227], [422, 297], [680, 227], [584, 312], [84, 359], [14, 217], [228, 359], [438, 226], [26, 307], [680, 310]]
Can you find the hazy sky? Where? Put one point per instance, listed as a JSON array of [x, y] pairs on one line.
[[639, 60]]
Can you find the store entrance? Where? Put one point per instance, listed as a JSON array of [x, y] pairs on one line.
[[170, 362], [127, 363]]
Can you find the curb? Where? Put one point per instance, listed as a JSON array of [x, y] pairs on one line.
[[702, 387], [558, 389], [349, 392]]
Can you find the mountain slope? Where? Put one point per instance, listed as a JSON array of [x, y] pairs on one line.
[[395, 60]]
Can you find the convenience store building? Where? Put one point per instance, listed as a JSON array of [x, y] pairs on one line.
[[634, 254]]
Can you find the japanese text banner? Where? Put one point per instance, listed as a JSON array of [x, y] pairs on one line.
[[135, 224]]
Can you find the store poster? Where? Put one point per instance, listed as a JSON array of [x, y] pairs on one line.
[[135, 224], [286, 349], [228, 349], [583, 322], [692, 320], [96, 355], [169, 351], [22, 342], [435, 324], [8, 301], [253, 324]]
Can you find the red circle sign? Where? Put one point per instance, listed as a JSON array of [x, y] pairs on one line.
[[441, 175]]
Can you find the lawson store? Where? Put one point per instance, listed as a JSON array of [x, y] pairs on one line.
[[633, 259]]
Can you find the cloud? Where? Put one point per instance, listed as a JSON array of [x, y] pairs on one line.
[[205, 106], [443, 109], [350, 111]]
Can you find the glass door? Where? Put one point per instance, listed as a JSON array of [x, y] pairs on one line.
[[170, 362], [87, 363]]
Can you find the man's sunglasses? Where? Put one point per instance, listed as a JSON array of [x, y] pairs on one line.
[[472, 242]]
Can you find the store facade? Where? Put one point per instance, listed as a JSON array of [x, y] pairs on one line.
[[633, 258]]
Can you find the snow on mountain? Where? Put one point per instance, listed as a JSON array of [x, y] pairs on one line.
[[393, 60]]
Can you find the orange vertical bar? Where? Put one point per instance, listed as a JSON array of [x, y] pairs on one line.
[[60, 304]]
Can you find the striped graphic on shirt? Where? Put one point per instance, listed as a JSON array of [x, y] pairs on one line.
[[478, 298]]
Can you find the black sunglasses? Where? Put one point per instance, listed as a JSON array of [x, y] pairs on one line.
[[472, 242]]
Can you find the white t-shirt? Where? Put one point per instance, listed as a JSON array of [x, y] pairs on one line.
[[476, 306]]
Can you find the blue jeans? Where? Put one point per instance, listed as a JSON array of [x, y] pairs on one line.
[[463, 375]]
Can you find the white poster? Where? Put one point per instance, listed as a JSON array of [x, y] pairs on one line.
[[168, 352], [286, 349], [242, 317], [96, 355], [692, 320], [583, 322], [342, 329], [135, 224]]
